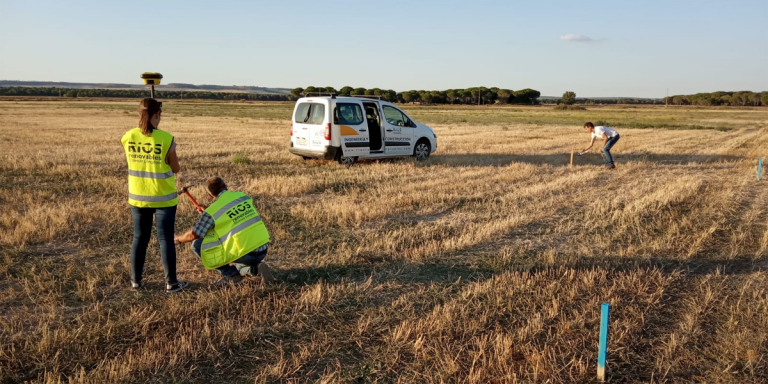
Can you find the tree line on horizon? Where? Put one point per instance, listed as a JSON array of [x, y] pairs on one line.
[[740, 99], [472, 96], [475, 95], [138, 93]]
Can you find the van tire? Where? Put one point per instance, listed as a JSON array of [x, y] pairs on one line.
[[422, 150], [346, 160], [307, 158]]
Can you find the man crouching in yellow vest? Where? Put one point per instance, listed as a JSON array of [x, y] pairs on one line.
[[230, 230]]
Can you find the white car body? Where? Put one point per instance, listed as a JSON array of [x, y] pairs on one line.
[[339, 128]]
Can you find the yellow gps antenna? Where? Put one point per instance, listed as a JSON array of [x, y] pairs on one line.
[[151, 79]]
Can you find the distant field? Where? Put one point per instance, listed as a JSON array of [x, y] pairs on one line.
[[485, 263]]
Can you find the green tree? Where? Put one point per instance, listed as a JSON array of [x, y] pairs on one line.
[[426, 96], [504, 95], [451, 94], [331, 90], [345, 91], [526, 96], [467, 95], [296, 92], [358, 91], [764, 98], [438, 97], [310, 89], [569, 98], [389, 95]]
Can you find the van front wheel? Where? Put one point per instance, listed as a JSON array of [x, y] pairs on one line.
[[422, 150]]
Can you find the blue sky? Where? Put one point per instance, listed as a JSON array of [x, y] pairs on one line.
[[637, 48]]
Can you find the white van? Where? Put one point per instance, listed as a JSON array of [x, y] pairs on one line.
[[347, 128]]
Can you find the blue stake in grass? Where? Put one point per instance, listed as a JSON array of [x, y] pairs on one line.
[[759, 167], [603, 346]]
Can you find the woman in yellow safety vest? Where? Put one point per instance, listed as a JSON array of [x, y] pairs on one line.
[[152, 163]]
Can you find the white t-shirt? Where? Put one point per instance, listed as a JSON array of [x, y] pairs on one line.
[[599, 130]]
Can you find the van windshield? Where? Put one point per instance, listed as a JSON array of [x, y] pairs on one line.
[[348, 114], [310, 113]]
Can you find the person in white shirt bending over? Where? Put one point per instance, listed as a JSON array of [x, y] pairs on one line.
[[609, 137]]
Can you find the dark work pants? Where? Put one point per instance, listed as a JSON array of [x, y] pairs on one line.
[[245, 266], [607, 158], [165, 219]]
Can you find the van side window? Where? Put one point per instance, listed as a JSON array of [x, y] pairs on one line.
[[310, 113], [395, 117], [348, 114]]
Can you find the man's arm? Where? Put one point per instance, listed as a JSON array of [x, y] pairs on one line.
[[203, 225], [605, 139], [591, 143], [173, 161], [186, 237]]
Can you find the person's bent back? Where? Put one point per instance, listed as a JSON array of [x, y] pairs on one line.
[[230, 230]]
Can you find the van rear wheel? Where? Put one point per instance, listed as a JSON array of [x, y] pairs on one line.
[[346, 160], [422, 150]]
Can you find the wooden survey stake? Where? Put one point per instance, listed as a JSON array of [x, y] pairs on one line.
[[571, 157]]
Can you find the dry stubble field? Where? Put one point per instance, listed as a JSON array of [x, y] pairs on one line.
[[485, 264]]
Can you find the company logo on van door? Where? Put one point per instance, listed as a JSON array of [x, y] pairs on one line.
[[351, 139], [398, 139]]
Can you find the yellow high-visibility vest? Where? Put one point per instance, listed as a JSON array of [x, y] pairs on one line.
[[238, 230], [151, 183]]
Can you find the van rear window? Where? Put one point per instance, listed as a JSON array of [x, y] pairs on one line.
[[348, 114], [310, 113]]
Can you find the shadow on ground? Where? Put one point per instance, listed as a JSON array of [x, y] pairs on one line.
[[563, 159], [444, 271]]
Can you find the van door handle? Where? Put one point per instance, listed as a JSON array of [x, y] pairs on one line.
[[389, 130], [363, 130]]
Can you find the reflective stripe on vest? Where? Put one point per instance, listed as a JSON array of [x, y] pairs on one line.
[[231, 233], [156, 199], [229, 205], [151, 182], [150, 175], [237, 230]]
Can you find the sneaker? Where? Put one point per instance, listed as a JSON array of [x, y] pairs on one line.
[[227, 280], [138, 285], [266, 273], [610, 166], [173, 288]]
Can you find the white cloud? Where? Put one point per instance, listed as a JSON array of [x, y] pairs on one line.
[[575, 38]]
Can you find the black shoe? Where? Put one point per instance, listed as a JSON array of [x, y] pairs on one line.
[[138, 285], [610, 166], [173, 288]]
